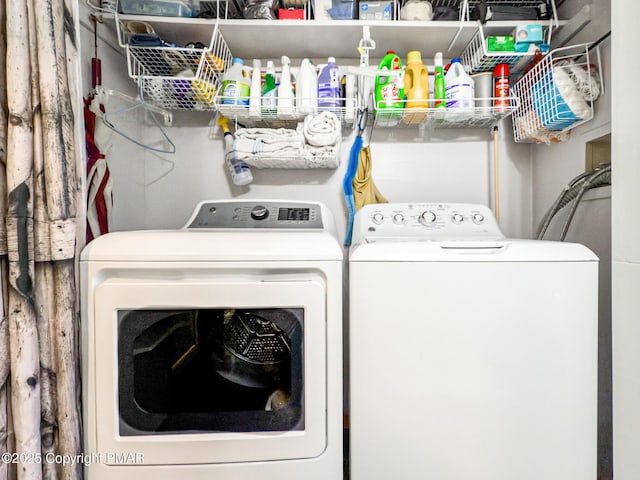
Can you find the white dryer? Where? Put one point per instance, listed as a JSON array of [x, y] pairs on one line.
[[215, 351], [472, 356]]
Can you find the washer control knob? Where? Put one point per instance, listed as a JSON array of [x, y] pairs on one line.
[[398, 218], [477, 218], [427, 218], [377, 218], [259, 212], [457, 218]]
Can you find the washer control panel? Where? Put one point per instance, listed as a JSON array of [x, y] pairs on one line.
[[256, 214], [428, 221]]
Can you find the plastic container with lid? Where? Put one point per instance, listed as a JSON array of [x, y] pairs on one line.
[[235, 85], [416, 88], [389, 89], [329, 87], [459, 87], [163, 8]]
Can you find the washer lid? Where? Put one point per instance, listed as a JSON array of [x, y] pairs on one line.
[[213, 245], [500, 250]]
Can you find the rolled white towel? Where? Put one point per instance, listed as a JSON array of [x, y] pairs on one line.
[[322, 129]]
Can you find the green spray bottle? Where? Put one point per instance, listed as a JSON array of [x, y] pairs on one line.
[[269, 92], [439, 89]]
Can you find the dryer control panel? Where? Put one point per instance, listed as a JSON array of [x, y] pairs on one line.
[[425, 221], [256, 214]]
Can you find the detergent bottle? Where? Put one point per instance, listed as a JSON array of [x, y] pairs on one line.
[[329, 87], [460, 87], [416, 88], [389, 89], [235, 85]]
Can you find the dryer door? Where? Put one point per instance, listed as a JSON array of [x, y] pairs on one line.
[[199, 370]]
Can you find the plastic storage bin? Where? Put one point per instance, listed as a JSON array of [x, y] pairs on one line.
[[163, 8]]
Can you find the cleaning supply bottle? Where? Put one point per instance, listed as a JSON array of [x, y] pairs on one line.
[[329, 87], [306, 88], [255, 93], [501, 87], [239, 170], [235, 85], [285, 90], [389, 89], [439, 89], [416, 88], [269, 93], [459, 87]]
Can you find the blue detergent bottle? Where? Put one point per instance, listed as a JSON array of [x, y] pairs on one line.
[[329, 87]]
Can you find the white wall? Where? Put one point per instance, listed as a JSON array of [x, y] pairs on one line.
[[626, 247]]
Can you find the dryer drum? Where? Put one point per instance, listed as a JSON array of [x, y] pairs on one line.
[[257, 346]]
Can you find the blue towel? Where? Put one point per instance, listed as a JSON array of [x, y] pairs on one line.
[[347, 185]]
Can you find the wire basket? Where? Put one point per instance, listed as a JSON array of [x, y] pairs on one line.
[[476, 58], [556, 95], [175, 77]]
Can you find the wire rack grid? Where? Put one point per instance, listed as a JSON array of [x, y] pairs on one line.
[[556, 95], [175, 77]]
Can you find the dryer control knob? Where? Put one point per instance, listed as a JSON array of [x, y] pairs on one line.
[[457, 218], [477, 218], [398, 218], [259, 212], [377, 218], [427, 218]]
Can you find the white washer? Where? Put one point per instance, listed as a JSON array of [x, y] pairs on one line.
[[215, 351], [472, 356]]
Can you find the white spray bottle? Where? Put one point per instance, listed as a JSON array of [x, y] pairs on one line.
[[239, 170], [255, 93], [285, 90], [307, 88]]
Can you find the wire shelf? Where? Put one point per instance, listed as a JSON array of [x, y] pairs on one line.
[[482, 115], [556, 95], [175, 77], [269, 117]]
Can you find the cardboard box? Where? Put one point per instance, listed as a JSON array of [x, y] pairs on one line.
[[382, 10], [528, 33]]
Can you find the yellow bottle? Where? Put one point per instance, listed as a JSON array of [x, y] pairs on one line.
[[416, 88]]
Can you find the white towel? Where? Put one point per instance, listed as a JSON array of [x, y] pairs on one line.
[[270, 135], [322, 129]]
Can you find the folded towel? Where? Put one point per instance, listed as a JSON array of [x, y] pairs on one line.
[[323, 157], [271, 135], [259, 146], [322, 129]]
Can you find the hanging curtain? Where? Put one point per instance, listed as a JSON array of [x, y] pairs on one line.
[[39, 187]]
